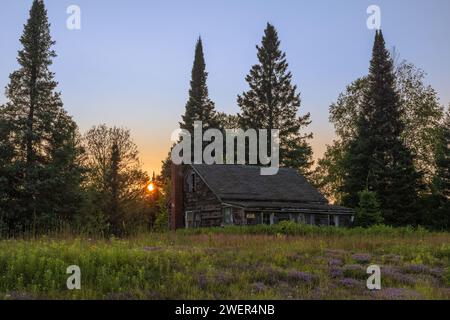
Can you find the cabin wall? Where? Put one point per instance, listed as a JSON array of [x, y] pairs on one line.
[[201, 202]]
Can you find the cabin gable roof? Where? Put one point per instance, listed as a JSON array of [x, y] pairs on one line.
[[231, 183]]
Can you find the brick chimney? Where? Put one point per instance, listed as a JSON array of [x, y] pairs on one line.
[[177, 208]]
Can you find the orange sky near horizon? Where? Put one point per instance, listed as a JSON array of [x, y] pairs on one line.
[[154, 147]]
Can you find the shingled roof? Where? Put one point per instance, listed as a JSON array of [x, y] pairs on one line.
[[244, 186], [245, 183]]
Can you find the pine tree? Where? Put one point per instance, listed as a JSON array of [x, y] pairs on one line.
[[368, 211], [199, 107], [46, 178], [378, 159], [272, 102]]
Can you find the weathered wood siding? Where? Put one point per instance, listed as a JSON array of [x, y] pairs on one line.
[[201, 200]]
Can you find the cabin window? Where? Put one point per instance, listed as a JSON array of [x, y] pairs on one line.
[[252, 218], [228, 215], [266, 218]]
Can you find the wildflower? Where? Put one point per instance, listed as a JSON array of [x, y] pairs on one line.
[[335, 262], [202, 281], [397, 276], [336, 272], [300, 276], [351, 283], [396, 294], [355, 271], [362, 257]]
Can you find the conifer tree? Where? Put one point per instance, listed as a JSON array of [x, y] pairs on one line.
[[368, 210], [272, 102], [378, 159], [199, 107], [44, 139]]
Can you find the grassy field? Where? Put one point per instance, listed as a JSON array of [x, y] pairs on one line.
[[283, 262]]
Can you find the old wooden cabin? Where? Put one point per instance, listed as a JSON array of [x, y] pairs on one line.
[[219, 195]]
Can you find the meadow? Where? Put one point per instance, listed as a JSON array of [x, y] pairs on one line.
[[285, 261]]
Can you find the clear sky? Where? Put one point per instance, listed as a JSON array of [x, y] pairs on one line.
[[130, 63]]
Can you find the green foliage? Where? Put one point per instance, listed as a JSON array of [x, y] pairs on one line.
[[442, 178], [377, 157], [115, 181], [368, 212], [289, 228], [199, 107], [162, 220], [272, 102], [219, 264], [40, 150], [421, 115]]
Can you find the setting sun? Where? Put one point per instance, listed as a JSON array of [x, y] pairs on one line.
[[151, 187]]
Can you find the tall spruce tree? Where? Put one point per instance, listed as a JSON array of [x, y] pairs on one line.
[[272, 102], [377, 158], [43, 165], [199, 107]]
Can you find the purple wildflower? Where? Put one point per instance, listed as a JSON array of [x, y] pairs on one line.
[[394, 275], [350, 283], [269, 275], [335, 252], [336, 272], [396, 294], [424, 270], [392, 258], [362, 257], [335, 262], [354, 271], [202, 281], [300, 276], [416, 268]]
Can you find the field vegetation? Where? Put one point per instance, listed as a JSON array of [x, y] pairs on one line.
[[285, 261]]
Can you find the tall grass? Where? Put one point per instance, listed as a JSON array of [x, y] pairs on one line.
[[296, 229], [278, 262]]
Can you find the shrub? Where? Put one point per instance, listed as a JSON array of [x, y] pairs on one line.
[[368, 212]]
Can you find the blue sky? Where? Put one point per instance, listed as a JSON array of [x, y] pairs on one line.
[[130, 63]]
